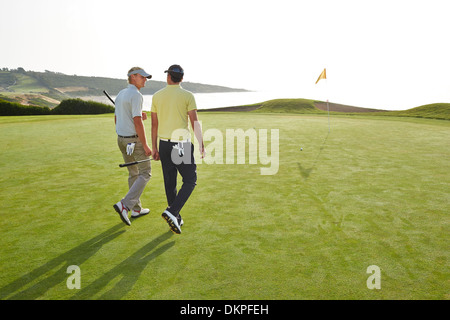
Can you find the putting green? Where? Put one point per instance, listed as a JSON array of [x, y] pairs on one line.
[[373, 191]]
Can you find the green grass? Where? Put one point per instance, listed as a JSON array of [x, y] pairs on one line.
[[27, 84], [371, 192]]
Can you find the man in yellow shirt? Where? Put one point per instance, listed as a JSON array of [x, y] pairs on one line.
[[171, 109]]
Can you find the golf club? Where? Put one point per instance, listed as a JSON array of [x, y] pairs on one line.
[[109, 97], [133, 163]]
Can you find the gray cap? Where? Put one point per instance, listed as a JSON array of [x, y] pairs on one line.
[[141, 72]]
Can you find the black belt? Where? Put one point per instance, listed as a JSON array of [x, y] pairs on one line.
[[135, 136]]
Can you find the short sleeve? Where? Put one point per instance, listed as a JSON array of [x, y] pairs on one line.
[[136, 105], [192, 105]]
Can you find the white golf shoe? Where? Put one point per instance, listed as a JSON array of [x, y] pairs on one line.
[[137, 214], [123, 212], [172, 222]]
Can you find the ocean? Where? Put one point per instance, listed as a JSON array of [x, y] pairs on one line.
[[232, 99], [214, 100], [226, 99]]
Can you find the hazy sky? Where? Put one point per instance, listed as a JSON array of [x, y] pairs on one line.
[[390, 54]]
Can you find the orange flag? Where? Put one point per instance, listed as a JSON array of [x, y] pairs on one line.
[[323, 75]]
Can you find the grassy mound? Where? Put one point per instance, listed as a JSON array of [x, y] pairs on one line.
[[307, 106], [289, 106], [302, 106], [432, 111]]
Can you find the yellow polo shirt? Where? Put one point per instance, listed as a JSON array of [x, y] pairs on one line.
[[172, 104]]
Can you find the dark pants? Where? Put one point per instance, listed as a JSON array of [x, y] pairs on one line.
[[172, 163]]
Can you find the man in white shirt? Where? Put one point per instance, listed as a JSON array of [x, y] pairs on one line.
[[131, 132]]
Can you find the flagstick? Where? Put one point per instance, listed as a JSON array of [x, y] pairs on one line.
[[328, 106], [328, 116]]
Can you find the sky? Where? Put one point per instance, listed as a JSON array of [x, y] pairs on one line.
[[378, 54]]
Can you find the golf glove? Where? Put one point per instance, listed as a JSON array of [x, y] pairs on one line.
[[130, 148], [180, 149]]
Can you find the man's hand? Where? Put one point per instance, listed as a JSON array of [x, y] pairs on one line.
[[202, 151], [148, 151], [155, 155]]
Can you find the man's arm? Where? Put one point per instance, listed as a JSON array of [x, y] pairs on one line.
[[140, 130], [195, 124], [155, 136]]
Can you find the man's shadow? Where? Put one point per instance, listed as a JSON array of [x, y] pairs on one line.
[[131, 268], [75, 256], [128, 271]]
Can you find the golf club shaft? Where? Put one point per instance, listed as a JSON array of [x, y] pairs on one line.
[[133, 163], [109, 97]]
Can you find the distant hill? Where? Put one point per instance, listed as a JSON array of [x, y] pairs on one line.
[[342, 107], [49, 88], [295, 106], [431, 111], [307, 106]]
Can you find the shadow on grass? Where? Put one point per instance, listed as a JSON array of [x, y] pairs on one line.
[[128, 271], [54, 272], [76, 256], [306, 172]]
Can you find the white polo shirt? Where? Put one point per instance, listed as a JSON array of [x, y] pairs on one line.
[[128, 105]]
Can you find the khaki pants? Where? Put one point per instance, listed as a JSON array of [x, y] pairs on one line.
[[138, 174]]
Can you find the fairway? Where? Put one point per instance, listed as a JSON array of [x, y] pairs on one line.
[[373, 191]]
